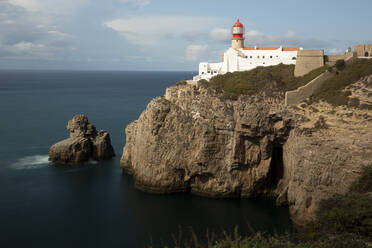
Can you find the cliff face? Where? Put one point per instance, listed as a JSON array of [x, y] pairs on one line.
[[197, 140]]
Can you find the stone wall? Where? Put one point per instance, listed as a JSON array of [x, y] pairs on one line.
[[331, 59], [294, 97], [308, 60], [361, 50]]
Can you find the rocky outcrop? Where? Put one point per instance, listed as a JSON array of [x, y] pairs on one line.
[[195, 139], [85, 143]]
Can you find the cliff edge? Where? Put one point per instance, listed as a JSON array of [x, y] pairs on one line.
[[200, 140]]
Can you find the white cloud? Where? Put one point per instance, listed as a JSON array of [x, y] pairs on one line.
[[31, 5], [193, 52], [220, 34], [27, 33], [25, 47], [336, 51], [254, 37], [149, 30], [49, 6], [136, 3]]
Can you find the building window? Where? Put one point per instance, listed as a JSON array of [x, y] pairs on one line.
[[263, 62], [250, 56], [294, 58], [209, 71], [263, 57], [366, 54], [258, 57], [203, 72], [277, 56], [271, 57]]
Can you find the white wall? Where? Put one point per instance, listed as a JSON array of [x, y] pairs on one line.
[[243, 60]]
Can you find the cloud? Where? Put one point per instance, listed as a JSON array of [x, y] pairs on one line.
[[193, 52], [25, 33], [257, 38], [254, 37], [149, 30], [136, 3], [220, 34], [336, 51], [50, 7]]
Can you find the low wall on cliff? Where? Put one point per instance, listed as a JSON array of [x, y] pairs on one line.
[[294, 97]]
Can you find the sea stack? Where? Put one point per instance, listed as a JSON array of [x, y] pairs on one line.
[[85, 143]]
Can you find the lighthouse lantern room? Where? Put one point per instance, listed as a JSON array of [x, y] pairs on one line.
[[237, 35]]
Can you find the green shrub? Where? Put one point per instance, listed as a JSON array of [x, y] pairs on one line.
[[349, 214], [364, 183], [270, 79], [332, 89], [340, 64]]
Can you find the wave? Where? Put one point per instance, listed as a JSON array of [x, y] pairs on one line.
[[31, 162]]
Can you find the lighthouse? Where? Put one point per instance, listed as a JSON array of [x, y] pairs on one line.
[[244, 58], [237, 35]]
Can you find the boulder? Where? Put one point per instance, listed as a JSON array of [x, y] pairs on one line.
[[85, 143]]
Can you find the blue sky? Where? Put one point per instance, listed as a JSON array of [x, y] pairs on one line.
[[167, 34]]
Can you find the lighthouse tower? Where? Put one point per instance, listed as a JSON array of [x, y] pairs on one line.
[[238, 35]]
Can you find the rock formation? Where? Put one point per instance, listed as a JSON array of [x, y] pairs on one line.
[[85, 143], [195, 139]]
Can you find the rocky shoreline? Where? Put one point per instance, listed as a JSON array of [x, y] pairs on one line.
[[196, 139]]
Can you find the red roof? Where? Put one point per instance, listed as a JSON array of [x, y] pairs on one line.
[[238, 24], [286, 49], [291, 49]]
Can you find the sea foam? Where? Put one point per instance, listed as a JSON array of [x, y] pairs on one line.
[[31, 162]]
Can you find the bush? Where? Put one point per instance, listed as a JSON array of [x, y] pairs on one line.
[[364, 183], [182, 82], [349, 214], [271, 79], [332, 89], [340, 64]]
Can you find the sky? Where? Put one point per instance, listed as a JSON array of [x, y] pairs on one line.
[[168, 34]]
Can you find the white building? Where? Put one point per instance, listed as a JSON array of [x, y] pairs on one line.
[[240, 58]]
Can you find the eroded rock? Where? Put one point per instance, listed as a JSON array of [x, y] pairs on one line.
[[85, 143], [195, 139]]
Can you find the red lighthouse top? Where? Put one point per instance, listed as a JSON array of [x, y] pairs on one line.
[[238, 30], [238, 24]]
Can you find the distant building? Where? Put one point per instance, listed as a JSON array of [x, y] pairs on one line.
[[241, 58], [363, 50]]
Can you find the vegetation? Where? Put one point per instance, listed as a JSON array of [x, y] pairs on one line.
[[279, 77], [342, 221], [332, 89], [340, 64], [349, 214], [182, 82]]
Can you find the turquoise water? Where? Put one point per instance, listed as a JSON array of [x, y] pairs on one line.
[[96, 205]]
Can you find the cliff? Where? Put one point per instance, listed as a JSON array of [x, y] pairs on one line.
[[85, 143], [200, 140]]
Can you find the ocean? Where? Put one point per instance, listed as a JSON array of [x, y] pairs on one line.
[[96, 204]]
